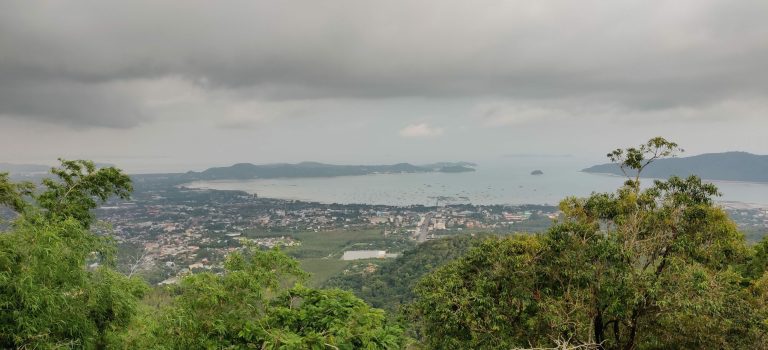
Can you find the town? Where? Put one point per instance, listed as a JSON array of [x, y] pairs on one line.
[[168, 231], [174, 230]]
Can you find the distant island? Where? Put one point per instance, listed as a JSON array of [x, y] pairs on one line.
[[23, 168], [244, 171], [537, 172], [728, 166]]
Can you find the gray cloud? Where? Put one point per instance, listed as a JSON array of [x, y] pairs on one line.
[[91, 63], [69, 103]]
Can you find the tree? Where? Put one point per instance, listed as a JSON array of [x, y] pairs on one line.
[[78, 187], [758, 261], [637, 269], [12, 194], [482, 300], [392, 284], [58, 287], [303, 318], [250, 306]]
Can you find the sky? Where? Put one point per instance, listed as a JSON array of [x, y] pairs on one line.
[[154, 85]]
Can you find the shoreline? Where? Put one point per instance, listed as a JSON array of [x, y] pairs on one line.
[[765, 183], [726, 203]]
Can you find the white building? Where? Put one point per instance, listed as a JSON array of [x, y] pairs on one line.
[[364, 254]]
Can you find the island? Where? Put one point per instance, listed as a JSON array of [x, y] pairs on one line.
[[537, 172], [455, 169], [727, 166], [244, 171], [23, 168]]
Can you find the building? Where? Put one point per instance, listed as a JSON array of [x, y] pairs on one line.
[[364, 254]]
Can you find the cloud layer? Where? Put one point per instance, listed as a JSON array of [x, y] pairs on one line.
[[217, 82], [102, 63]]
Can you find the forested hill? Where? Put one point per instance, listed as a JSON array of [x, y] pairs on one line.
[[313, 169], [392, 285], [728, 166]]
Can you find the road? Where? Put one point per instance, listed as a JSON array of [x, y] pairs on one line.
[[424, 228]]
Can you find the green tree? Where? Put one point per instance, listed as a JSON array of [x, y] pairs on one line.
[[251, 306], [482, 300], [58, 288], [392, 284], [758, 261], [12, 194], [78, 187], [642, 268]]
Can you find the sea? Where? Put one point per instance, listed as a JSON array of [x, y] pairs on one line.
[[507, 182]]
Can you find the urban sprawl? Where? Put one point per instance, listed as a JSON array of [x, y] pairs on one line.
[[172, 230]]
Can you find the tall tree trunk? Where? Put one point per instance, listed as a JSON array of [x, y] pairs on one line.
[[599, 331]]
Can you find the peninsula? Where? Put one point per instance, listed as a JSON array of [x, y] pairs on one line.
[[244, 171]]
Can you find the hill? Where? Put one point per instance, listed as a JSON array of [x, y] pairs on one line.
[[244, 171], [23, 168], [391, 285], [728, 166]]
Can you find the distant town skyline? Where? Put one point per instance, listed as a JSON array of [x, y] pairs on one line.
[[187, 85]]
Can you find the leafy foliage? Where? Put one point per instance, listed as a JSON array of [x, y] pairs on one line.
[[639, 269], [758, 261], [58, 287], [250, 307], [79, 185], [303, 318], [12, 194], [636, 159], [482, 300]]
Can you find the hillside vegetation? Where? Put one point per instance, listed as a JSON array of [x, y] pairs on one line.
[[391, 286]]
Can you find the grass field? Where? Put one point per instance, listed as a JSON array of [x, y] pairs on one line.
[[320, 252], [322, 269], [332, 244]]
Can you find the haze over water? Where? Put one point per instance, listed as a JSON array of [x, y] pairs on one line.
[[506, 182]]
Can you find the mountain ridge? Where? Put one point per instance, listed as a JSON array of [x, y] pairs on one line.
[[244, 171], [724, 166], [16, 168]]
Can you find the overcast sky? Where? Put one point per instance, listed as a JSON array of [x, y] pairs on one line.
[[185, 84]]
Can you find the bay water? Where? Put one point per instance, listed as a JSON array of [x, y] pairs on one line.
[[503, 182]]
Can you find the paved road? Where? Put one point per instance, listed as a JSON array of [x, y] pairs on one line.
[[424, 228]]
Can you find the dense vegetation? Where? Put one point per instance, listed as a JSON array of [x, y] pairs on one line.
[[391, 286], [250, 307], [58, 287]]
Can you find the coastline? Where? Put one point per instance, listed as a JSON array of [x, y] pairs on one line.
[[762, 183], [418, 191]]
